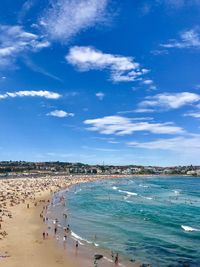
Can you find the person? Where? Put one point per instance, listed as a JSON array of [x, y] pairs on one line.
[[76, 244], [27, 206], [116, 258], [55, 230], [43, 235], [68, 228], [112, 255]]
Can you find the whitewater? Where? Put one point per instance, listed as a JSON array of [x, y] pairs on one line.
[[153, 220]]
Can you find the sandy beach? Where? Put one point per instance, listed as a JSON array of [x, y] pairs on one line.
[[23, 203]]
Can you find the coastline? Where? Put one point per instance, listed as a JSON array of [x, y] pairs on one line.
[[23, 244]]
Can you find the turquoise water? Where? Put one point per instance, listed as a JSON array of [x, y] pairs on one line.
[[154, 220]]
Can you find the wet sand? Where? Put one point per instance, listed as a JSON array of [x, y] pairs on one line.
[[23, 204]]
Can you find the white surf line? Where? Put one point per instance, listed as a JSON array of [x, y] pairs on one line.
[[114, 187], [128, 193], [189, 228], [78, 238]]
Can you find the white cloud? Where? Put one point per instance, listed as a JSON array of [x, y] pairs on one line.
[[187, 39], [113, 142], [193, 114], [60, 114], [64, 19], [123, 69], [170, 100], [122, 126], [100, 95], [144, 110], [139, 110], [45, 94], [14, 40], [152, 87], [179, 144], [147, 82]]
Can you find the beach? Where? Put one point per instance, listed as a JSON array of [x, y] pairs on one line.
[[24, 236]]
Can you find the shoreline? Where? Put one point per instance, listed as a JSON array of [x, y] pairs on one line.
[[21, 227], [87, 249], [21, 203]]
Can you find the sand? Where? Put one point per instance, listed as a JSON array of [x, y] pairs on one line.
[[23, 204]]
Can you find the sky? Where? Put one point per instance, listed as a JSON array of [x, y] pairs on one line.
[[100, 81]]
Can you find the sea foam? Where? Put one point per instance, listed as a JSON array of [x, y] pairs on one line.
[[114, 187], [79, 238], [188, 228], [128, 193]]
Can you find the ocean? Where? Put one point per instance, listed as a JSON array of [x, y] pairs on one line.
[[153, 220]]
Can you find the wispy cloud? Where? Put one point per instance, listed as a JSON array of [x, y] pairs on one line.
[[34, 67], [170, 100], [100, 149], [179, 144], [60, 114], [100, 95], [27, 5], [193, 114], [144, 110], [122, 126], [59, 155], [123, 69], [138, 110], [64, 19], [148, 82], [14, 40], [158, 52], [187, 39], [45, 94]]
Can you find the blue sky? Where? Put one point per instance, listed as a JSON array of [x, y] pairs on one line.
[[100, 81]]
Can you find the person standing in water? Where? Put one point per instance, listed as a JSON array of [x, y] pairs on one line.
[[117, 259]]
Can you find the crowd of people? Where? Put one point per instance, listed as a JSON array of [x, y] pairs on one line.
[[29, 192]]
